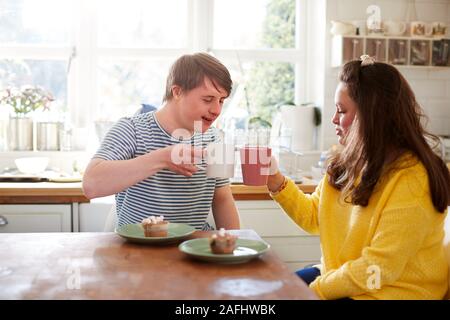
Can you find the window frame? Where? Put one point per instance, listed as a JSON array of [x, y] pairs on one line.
[[82, 53]]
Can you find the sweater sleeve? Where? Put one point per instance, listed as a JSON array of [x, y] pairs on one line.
[[302, 208], [398, 237]]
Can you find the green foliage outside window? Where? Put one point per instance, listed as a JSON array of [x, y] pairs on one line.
[[270, 83]]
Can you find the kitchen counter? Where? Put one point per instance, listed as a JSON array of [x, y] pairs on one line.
[[51, 192], [41, 192], [104, 266]]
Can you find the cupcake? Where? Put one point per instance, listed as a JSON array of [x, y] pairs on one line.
[[155, 226], [222, 242]]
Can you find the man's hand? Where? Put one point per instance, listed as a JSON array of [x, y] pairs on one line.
[[181, 158]]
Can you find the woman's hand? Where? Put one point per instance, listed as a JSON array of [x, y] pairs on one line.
[[275, 179]]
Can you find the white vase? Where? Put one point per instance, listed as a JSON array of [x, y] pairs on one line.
[[20, 133], [47, 136], [3, 135]]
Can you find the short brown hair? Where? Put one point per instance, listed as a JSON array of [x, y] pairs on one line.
[[189, 71]]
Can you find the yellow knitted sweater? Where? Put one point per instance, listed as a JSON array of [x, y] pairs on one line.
[[391, 249]]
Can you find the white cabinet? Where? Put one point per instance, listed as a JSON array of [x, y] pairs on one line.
[[292, 244], [93, 215], [36, 218]]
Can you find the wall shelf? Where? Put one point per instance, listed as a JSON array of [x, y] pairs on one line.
[[414, 52]]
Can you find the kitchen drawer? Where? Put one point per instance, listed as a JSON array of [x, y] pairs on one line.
[[291, 243], [36, 218], [267, 219], [296, 249]]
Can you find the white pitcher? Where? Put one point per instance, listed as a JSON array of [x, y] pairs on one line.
[[394, 28], [342, 28]]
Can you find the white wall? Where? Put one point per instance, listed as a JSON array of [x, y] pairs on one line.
[[431, 85]]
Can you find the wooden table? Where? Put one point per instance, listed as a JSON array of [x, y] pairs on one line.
[[105, 266]]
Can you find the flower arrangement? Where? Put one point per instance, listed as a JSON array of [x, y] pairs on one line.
[[26, 99]]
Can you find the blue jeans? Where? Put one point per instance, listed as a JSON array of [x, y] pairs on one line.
[[308, 275]]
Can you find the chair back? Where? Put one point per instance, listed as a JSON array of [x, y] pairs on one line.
[[111, 219], [447, 247]]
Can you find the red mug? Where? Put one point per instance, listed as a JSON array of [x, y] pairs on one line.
[[255, 164]]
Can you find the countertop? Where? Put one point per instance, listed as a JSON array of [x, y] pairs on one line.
[[104, 266], [41, 192], [52, 192]]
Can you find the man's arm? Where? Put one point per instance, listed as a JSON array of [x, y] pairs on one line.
[[224, 209], [107, 177]]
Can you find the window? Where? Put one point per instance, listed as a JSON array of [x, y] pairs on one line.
[[101, 59], [143, 23], [255, 24], [260, 49], [35, 41], [44, 22], [134, 56], [49, 74], [124, 85]]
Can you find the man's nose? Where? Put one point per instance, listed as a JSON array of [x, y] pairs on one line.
[[216, 108]]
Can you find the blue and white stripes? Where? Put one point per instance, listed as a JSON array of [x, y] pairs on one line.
[[179, 198]]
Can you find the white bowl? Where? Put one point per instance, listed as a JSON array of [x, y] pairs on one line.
[[32, 165]]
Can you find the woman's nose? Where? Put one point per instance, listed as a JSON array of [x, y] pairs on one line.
[[335, 118]]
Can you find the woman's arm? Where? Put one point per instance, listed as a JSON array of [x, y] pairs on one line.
[[302, 208]]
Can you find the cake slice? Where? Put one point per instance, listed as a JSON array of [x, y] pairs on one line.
[[155, 226], [222, 242]]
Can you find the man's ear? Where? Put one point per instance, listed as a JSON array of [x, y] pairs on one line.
[[176, 92]]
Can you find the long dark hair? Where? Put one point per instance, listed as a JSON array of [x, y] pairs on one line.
[[388, 121]]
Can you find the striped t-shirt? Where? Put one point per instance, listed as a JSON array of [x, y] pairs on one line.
[[176, 197]]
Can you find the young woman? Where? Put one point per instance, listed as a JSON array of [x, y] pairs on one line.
[[380, 208]]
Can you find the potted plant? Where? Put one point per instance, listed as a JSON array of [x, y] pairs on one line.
[[24, 101]]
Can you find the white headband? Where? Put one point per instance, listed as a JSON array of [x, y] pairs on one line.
[[366, 60]]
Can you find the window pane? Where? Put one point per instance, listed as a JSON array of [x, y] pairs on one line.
[[35, 22], [50, 75], [257, 89], [255, 24], [124, 85], [143, 23]]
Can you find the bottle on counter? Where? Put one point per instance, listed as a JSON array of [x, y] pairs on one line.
[[320, 169]]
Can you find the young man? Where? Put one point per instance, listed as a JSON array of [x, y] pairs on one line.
[[139, 159]]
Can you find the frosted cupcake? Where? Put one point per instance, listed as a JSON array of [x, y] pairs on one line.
[[155, 226], [222, 242]]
